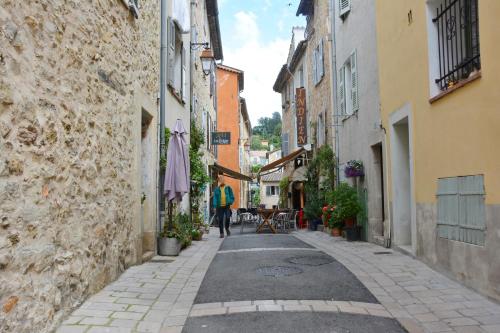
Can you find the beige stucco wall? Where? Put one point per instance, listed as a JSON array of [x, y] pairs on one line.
[[454, 136], [70, 181], [269, 201]]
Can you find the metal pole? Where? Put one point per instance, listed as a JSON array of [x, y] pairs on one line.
[[163, 90]]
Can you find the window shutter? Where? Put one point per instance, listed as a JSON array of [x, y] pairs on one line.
[[268, 191], [344, 7], [321, 60], [183, 74], [284, 144], [341, 80], [354, 81], [171, 52]]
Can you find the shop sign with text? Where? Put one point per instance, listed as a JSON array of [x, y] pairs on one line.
[[300, 100]]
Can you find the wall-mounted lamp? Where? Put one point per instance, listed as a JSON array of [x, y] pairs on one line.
[[207, 58]]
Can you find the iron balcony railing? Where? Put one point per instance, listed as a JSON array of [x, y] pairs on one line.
[[458, 39]]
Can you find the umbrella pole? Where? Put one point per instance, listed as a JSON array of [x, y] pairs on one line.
[[170, 225]]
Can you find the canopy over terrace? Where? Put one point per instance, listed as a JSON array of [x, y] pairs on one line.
[[230, 173], [274, 166]]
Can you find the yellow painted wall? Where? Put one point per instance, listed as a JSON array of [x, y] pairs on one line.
[[459, 134]]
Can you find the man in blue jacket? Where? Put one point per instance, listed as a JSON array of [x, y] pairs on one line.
[[223, 199]]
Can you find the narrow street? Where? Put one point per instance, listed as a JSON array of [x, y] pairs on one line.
[[282, 283]]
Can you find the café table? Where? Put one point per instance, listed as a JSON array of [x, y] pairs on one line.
[[266, 215]]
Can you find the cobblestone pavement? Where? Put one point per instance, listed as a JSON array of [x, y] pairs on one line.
[[159, 297], [420, 298], [154, 297]]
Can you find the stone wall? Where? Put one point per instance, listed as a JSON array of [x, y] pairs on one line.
[[319, 97], [68, 190]]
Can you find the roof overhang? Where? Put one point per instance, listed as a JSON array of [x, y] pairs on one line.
[[241, 74], [283, 76], [231, 173], [214, 26], [306, 8], [297, 55], [246, 118], [284, 160]]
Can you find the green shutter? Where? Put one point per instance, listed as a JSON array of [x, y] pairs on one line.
[[461, 209]]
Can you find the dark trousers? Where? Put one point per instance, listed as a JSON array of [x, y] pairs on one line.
[[223, 216]]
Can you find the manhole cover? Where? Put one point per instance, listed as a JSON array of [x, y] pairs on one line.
[[382, 252], [311, 260], [278, 271]]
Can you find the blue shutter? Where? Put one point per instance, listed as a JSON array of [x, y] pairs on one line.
[[284, 144]]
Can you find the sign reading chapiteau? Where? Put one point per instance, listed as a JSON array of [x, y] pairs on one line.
[[300, 102], [221, 138]]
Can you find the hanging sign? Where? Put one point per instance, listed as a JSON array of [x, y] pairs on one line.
[[221, 138], [300, 102]]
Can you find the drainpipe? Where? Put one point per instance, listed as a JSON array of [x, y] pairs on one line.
[[163, 94], [333, 77]]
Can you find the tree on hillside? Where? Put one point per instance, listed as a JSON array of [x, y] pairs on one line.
[[268, 128]]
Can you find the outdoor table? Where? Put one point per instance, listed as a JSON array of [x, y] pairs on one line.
[[266, 214]]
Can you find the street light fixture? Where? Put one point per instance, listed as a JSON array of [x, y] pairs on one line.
[[207, 59]]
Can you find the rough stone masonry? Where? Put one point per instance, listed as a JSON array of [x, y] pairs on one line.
[[67, 74]]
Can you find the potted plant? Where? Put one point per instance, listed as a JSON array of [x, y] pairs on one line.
[[347, 208], [354, 169], [169, 242], [312, 209], [196, 234]]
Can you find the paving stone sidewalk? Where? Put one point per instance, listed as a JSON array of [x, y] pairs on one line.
[[420, 298], [155, 297]]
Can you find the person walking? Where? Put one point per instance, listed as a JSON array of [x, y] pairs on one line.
[[223, 199]]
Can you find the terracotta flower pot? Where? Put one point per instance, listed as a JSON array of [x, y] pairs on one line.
[[335, 232]]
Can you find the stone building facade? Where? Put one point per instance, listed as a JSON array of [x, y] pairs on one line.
[[78, 152], [318, 63], [205, 29]]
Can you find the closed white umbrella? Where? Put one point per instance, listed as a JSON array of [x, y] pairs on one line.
[[177, 174]]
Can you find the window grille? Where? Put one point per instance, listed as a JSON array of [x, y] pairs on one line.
[[458, 39]]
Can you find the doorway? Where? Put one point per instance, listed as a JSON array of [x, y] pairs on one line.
[[148, 179], [403, 220], [378, 215]]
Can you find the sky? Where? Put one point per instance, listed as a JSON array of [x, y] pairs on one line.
[[256, 37]]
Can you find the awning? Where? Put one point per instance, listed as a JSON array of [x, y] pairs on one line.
[[284, 160], [231, 173]]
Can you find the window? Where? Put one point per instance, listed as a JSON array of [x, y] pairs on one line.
[[272, 191], [318, 63], [348, 86], [344, 7], [453, 41], [177, 62], [301, 77], [321, 131], [461, 209]]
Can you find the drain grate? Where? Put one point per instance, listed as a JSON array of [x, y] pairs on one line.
[[278, 271], [311, 260], [382, 252]]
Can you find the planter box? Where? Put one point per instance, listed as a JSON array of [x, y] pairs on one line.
[[169, 246], [353, 233]]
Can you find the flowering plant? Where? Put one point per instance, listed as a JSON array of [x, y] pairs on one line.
[[354, 168]]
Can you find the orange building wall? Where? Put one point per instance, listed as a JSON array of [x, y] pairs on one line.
[[228, 103]]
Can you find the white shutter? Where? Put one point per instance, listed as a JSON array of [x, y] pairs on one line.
[[344, 7], [321, 60], [183, 74], [341, 80], [171, 52], [354, 81]]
